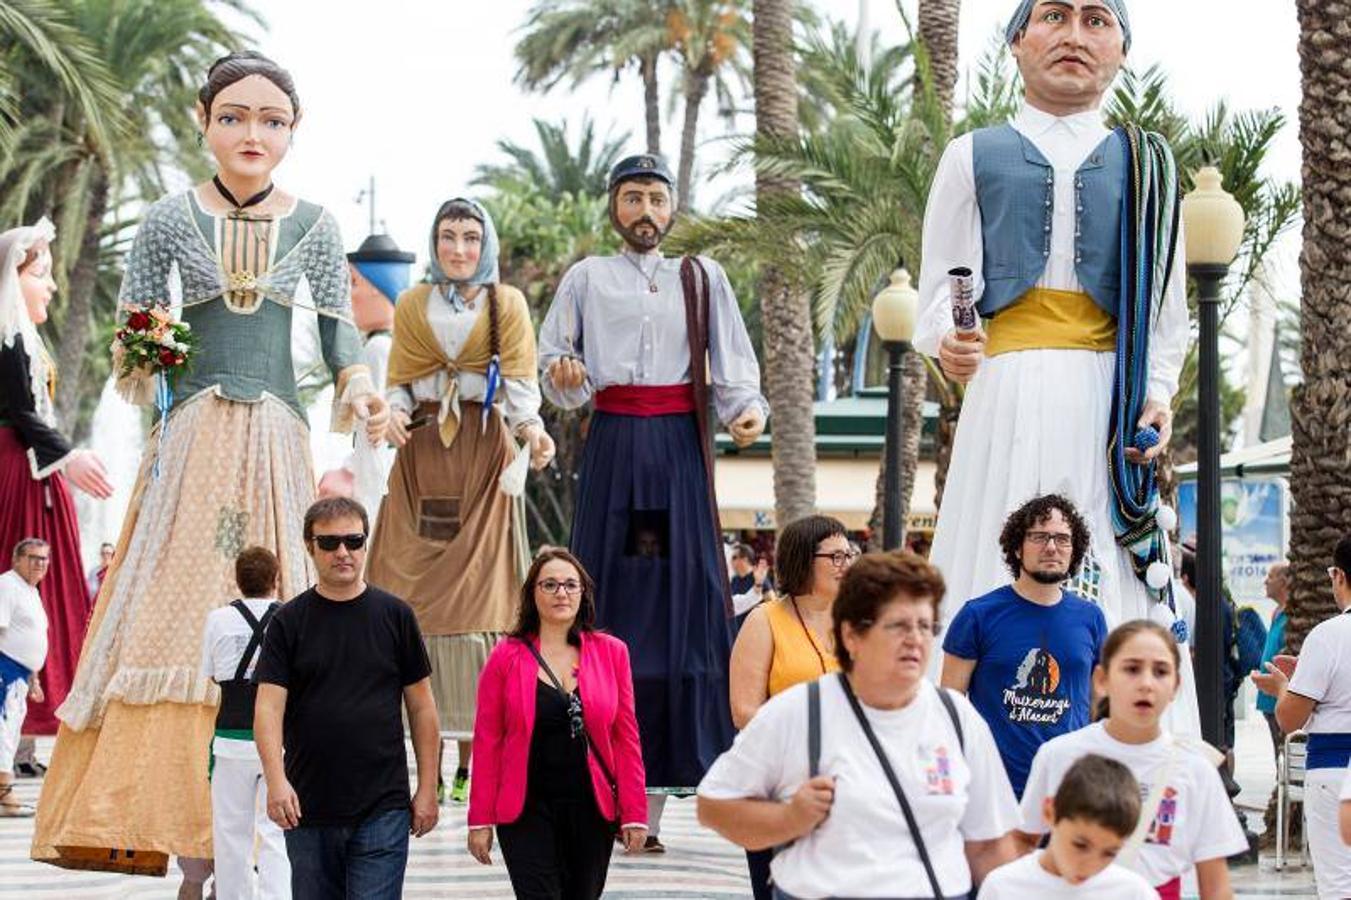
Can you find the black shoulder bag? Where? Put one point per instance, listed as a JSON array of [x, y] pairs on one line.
[[586, 735]]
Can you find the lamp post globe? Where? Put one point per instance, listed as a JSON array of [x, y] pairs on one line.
[[894, 310], [1213, 222]]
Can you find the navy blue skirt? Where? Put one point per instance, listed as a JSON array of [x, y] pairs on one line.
[[644, 530]]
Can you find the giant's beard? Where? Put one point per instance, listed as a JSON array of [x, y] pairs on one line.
[[643, 243]]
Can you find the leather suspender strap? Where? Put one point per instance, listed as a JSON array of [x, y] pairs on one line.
[[694, 281], [256, 641], [906, 811]]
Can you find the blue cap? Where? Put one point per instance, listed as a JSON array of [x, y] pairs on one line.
[[646, 165]]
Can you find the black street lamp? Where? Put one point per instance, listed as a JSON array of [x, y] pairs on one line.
[[894, 319], [1214, 229]]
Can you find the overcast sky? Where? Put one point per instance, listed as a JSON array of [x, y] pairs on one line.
[[417, 92]]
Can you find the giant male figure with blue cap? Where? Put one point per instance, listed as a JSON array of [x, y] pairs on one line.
[[653, 341], [1071, 235], [380, 271]]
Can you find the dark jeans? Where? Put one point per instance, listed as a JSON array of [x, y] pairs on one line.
[[757, 861], [557, 850], [350, 862]]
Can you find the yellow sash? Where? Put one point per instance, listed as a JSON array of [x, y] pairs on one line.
[[416, 353], [1043, 319]]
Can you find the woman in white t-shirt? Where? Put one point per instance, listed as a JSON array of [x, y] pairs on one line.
[[1186, 818], [848, 833]]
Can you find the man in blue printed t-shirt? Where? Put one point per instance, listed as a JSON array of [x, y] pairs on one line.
[[1024, 653]]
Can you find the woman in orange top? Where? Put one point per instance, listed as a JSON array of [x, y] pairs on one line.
[[789, 640]]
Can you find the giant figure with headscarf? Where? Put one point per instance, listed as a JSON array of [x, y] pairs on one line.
[[1071, 235], [462, 390], [646, 338]]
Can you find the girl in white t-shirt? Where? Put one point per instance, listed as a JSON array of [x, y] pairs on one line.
[[1186, 817]]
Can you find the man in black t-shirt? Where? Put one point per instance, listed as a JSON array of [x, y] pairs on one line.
[[337, 661]]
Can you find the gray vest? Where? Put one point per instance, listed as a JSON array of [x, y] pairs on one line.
[[1015, 188]]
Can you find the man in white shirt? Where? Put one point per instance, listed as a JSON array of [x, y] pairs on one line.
[[23, 650], [231, 643], [1313, 694], [1033, 209]]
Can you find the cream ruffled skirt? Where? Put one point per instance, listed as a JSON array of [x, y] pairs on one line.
[[130, 765]]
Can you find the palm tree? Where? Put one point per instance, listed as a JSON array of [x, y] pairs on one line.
[[38, 40], [558, 168], [710, 39], [69, 161], [572, 40], [1318, 476], [785, 310]]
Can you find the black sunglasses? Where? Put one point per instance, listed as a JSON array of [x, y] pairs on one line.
[[329, 542]]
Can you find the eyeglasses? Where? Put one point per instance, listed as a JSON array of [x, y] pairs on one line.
[[571, 587], [39, 559], [840, 558], [1042, 538], [329, 542], [921, 628]]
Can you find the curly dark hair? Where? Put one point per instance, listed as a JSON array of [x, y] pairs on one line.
[[527, 613], [1036, 512]]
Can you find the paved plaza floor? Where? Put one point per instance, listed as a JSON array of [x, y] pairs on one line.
[[698, 863]]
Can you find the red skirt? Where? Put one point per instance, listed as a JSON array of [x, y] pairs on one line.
[[44, 509]]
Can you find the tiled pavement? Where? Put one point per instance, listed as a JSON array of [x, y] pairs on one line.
[[698, 863]]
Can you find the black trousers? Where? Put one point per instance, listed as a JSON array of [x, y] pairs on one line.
[[557, 850]]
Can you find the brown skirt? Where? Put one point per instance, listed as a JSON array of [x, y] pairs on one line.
[[445, 539]]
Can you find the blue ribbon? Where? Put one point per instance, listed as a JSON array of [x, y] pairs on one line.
[[490, 392], [164, 399]]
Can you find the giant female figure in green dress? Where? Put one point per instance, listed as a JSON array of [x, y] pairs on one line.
[[229, 467]]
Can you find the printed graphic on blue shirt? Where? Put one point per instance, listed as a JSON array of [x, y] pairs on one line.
[[1035, 697]]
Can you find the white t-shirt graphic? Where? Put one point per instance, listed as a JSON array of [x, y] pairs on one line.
[[1194, 820], [863, 848]]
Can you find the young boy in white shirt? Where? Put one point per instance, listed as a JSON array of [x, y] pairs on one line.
[[240, 828], [1092, 815]]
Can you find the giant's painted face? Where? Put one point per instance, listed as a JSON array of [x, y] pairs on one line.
[[641, 210], [36, 283], [249, 127], [1069, 53]]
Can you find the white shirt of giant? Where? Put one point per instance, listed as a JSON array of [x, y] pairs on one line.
[[23, 622], [1323, 675], [863, 848], [952, 238]]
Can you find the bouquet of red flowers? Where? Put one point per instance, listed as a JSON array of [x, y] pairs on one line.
[[150, 343]]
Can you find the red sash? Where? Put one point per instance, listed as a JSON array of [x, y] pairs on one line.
[[646, 400]]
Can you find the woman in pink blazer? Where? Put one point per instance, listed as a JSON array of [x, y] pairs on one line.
[[557, 764]]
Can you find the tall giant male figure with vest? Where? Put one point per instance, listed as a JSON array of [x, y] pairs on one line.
[[653, 341], [1074, 361]]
